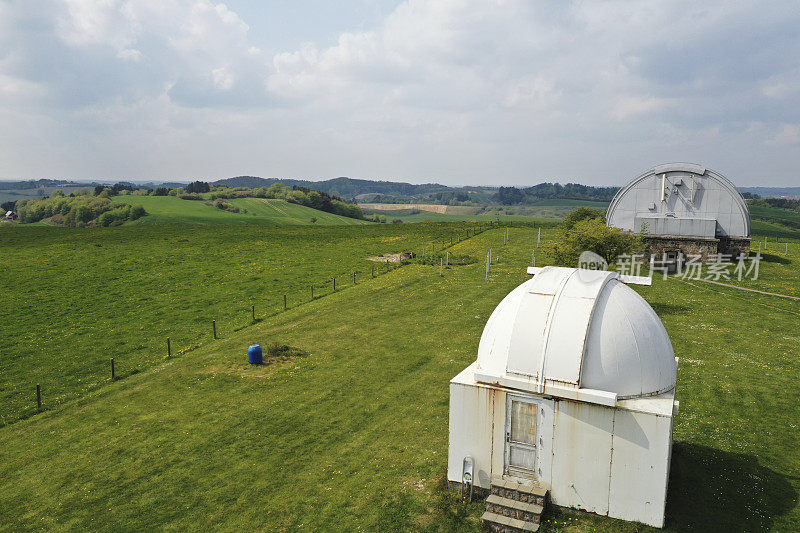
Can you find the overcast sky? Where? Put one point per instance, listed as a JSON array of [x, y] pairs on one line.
[[457, 91]]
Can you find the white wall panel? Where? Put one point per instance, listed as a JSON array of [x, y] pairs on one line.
[[640, 467], [581, 456]]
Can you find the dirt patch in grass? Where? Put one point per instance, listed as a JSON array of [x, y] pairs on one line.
[[393, 258], [274, 356]]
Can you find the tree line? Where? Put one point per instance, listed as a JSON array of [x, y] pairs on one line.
[[573, 191]]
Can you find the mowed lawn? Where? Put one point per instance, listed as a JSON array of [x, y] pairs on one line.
[[354, 434], [74, 298]]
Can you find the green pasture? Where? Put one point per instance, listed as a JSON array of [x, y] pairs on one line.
[[77, 297], [170, 209], [427, 216], [539, 211], [786, 217], [352, 435], [284, 212]]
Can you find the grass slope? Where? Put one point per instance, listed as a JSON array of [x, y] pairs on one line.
[[786, 217], [354, 435], [284, 212], [536, 212], [163, 210], [81, 296]]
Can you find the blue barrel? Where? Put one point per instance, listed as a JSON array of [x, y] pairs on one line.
[[254, 356]]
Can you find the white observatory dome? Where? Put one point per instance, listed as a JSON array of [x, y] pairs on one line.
[[581, 334]]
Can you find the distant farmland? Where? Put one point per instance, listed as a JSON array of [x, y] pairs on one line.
[[540, 209]]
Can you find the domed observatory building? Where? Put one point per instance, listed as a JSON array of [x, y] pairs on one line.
[[683, 207], [573, 391]]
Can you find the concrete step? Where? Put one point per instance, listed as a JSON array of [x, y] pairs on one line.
[[524, 491], [528, 512], [506, 524]]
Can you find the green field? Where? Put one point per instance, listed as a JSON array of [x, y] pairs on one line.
[[786, 217], [353, 434], [170, 210], [82, 296], [538, 211], [284, 212]]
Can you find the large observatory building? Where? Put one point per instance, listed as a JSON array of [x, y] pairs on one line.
[[686, 208], [572, 392]]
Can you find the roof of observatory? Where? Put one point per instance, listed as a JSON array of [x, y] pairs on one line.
[[580, 334], [680, 199]]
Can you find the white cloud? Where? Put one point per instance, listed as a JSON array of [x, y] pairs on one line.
[[448, 90], [787, 136], [223, 79]]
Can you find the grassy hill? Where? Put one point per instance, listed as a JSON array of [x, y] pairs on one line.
[[785, 217], [81, 296], [354, 434], [284, 212], [170, 209]]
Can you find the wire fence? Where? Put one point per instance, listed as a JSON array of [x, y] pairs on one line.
[[290, 300]]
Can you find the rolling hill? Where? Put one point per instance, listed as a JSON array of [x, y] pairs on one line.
[[170, 209]]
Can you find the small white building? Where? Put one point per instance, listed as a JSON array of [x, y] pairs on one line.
[[574, 387]]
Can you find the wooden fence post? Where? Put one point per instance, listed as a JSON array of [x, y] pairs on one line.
[[38, 397], [334, 284], [169, 348], [214, 327], [254, 312], [113, 375], [354, 278], [312, 292], [284, 302]]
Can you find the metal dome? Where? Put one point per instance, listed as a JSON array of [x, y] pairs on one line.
[[580, 334], [680, 199]]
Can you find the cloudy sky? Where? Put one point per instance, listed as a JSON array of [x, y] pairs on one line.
[[453, 91]]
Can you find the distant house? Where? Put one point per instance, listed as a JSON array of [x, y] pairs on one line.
[[11, 215]]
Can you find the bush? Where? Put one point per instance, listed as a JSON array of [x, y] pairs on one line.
[[592, 234], [397, 221], [80, 211], [225, 206], [137, 212], [582, 213]]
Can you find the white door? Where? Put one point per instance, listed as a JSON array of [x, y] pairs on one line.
[[521, 435]]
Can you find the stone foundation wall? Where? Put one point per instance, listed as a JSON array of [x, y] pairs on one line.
[[734, 246], [705, 248]]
